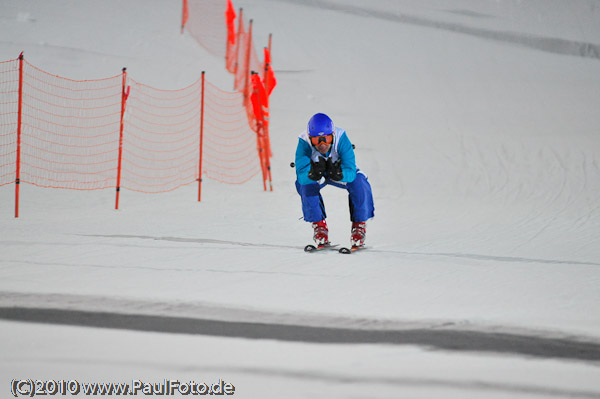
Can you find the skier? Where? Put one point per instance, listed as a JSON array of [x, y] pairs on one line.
[[325, 156]]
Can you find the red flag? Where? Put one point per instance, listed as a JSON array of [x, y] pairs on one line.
[[230, 17], [269, 78], [260, 99], [184, 15]]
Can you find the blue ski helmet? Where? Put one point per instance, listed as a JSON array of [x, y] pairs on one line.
[[320, 125]]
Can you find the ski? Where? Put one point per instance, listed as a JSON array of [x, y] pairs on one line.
[[351, 250], [313, 248], [333, 247]]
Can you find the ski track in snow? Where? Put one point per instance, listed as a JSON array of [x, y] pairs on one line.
[[371, 249]]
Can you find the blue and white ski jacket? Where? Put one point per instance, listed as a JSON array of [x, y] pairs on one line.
[[340, 149]]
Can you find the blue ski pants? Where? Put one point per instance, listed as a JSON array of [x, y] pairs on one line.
[[360, 198]]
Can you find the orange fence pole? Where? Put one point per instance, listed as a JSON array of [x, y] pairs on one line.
[[261, 156], [201, 139], [237, 50], [267, 114], [247, 67], [258, 114], [270, 37], [266, 139], [268, 153], [20, 113], [184, 15], [123, 100], [268, 122], [267, 163]]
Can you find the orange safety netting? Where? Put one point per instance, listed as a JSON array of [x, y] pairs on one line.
[[206, 24], [209, 22], [69, 130], [230, 146], [9, 108], [247, 59], [161, 138], [212, 24], [117, 132]]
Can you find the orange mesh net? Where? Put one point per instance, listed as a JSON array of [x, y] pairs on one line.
[[70, 133], [247, 60], [230, 147], [212, 24], [69, 130], [206, 23], [103, 133], [161, 138]]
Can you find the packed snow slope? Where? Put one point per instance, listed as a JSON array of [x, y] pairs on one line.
[[477, 123]]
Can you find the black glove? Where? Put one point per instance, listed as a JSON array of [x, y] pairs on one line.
[[334, 170], [317, 169]]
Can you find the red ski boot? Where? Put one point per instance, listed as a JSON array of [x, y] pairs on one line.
[[359, 232], [321, 234]]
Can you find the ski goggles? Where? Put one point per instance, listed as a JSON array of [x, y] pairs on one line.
[[327, 139]]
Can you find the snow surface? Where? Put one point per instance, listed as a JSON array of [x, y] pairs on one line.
[[478, 125]]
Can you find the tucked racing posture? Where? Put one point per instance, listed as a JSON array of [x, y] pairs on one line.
[[325, 156]]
